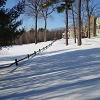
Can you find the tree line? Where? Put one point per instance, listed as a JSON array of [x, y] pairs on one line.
[[29, 36], [79, 10]]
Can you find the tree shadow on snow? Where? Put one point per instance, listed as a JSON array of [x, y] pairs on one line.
[[55, 76]]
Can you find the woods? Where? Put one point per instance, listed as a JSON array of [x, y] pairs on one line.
[[29, 36]]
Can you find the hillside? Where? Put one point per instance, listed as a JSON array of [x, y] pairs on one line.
[[59, 73]]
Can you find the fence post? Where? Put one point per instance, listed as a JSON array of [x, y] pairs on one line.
[[16, 62], [35, 52], [43, 48], [39, 50], [28, 56]]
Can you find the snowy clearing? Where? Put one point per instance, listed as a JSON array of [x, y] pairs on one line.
[[59, 73]]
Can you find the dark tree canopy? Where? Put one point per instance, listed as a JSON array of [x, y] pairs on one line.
[[2, 2], [9, 23]]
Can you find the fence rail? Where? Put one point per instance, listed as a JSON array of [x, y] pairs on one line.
[[28, 56]]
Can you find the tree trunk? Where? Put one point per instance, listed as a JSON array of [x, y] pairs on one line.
[[66, 32], [36, 16], [79, 22], [74, 25], [88, 15], [45, 30]]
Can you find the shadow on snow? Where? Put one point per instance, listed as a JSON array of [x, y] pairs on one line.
[[65, 74]]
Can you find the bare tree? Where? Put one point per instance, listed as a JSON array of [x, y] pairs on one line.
[[32, 10], [45, 13], [88, 16], [91, 9], [74, 28]]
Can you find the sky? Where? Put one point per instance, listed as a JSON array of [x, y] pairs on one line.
[[56, 22]]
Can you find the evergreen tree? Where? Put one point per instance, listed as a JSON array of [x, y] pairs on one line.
[[8, 23]]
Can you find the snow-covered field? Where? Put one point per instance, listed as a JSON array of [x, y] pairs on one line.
[[59, 73]]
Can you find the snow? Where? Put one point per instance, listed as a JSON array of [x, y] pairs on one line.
[[58, 73]]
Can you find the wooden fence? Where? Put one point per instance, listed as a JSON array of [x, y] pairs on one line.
[[28, 56]]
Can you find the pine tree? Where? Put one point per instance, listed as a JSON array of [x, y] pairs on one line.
[[62, 5], [8, 23]]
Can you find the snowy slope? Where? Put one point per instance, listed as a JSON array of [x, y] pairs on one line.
[[59, 73]]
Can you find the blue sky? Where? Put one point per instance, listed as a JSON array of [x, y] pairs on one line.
[[57, 22]]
